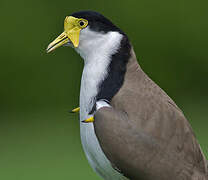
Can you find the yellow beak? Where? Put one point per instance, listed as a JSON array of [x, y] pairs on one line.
[[70, 34]]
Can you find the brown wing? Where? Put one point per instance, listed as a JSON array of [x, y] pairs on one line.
[[146, 135], [142, 155]]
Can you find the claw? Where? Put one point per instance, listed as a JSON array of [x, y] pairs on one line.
[[89, 120], [75, 110]]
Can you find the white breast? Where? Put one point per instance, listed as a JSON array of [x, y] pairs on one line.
[[97, 56]]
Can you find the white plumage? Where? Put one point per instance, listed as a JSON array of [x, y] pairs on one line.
[[96, 49]]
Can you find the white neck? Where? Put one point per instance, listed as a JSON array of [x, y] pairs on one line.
[[96, 44], [96, 49]]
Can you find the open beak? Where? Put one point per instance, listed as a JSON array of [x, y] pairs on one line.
[[59, 41], [70, 34]]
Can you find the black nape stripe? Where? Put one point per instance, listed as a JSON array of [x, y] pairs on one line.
[[116, 72]]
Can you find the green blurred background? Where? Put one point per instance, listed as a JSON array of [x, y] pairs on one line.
[[39, 139]]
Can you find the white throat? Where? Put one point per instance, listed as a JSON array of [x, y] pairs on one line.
[[96, 49]]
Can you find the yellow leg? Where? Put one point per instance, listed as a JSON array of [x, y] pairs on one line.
[[89, 120], [75, 110]]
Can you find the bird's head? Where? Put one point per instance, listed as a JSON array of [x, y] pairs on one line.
[[85, 30]]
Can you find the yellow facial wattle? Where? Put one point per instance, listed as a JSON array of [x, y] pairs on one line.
[[72, 28]]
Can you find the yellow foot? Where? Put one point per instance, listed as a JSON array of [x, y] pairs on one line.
[[89, 120], [75, 110]]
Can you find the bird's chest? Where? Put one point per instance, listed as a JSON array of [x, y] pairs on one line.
[[97, 159], [89, 140], [88, 94], [93, 74]]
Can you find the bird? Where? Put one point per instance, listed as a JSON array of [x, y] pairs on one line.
[[129, 127]]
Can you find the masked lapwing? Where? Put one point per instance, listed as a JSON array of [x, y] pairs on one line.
[[130, 128]]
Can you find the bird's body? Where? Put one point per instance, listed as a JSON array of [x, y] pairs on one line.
[[159, 143], [138, 132]]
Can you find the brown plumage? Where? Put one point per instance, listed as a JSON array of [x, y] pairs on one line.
[[145, 135]]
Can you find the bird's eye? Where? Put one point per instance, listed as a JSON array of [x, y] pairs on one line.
[[81, 23]]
